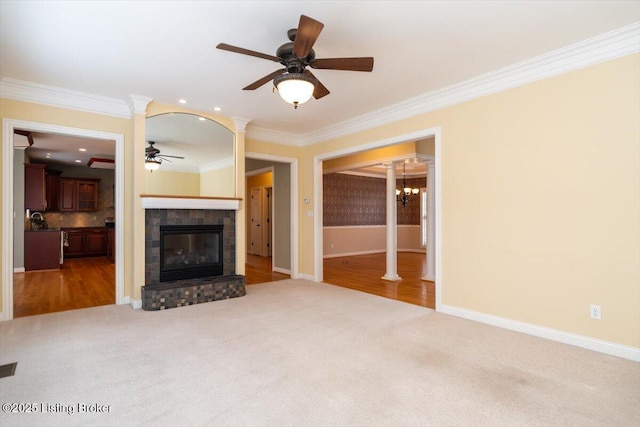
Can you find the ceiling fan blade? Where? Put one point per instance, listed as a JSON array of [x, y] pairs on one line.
[[308, 31], [166, 155], [235, 49], [320, 89], [347, 64], [265, 79]]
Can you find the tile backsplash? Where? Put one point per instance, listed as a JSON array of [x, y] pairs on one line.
[[77, 219]]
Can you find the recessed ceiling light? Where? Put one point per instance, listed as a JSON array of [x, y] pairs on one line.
[[48, 154], [82, 149], [78, 161], [202, 119], [217, 109], [182, 101]]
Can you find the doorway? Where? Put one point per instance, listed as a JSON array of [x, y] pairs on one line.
[[279, 238], [9, 224], [388, 142]]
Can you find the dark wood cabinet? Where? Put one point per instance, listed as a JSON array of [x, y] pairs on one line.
[[78, 195], [75, 242], [86, 242], [52, 190], [96, 242], [41, 250], [67, 192], [34, 187], [111, 244]]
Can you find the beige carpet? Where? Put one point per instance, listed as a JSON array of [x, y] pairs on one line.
[[297, 353]]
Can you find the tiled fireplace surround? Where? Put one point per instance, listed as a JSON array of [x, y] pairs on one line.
[[158, 295]]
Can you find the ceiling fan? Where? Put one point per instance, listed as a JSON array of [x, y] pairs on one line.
[[153, 158], [294, 82]]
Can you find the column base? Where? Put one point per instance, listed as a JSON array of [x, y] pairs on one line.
[[428, 278], [394, 278]]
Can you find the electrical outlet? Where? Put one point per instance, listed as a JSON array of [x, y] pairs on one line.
[[596, 312]]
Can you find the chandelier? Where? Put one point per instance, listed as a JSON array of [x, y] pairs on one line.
[[407, 193]]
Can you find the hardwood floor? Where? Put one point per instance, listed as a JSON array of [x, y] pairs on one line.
[[364, 272], [90, 282], [80, 283], [258, 270]]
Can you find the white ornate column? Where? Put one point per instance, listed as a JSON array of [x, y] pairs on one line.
[[241, 223], [134, 234], [392, 225], [430, 274]]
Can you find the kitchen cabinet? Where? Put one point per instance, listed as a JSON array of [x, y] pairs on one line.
[[34, 187], [86, 242], [96, 242], [111, 244], [75, 242], [78, 195], [41, 250], [52, 189]]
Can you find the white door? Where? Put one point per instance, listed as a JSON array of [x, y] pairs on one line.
[[256, 230], [268, 226]]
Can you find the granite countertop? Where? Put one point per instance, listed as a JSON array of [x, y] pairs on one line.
[[42, 229]]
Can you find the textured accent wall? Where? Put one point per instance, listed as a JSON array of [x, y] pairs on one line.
[[350, 200]]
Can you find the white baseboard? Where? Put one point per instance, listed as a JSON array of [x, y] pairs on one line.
[[134, 303], [306, 277], [606, 347], [281, 270], [18, 270], [371, 252], [374, 251], [3, 317], [417, 251]]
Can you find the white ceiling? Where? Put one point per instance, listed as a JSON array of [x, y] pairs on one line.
[[69, 150], [166, 50]]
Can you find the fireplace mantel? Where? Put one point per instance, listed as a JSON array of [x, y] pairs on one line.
[[157, 201]]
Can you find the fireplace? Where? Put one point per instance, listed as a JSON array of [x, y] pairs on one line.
[[190, 257], [190, 251]]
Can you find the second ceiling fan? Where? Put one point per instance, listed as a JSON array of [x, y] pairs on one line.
[[294, 82]]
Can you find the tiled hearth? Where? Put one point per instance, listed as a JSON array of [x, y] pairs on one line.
[[158, 295]]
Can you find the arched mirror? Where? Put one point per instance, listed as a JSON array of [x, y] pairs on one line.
[[190, 155]]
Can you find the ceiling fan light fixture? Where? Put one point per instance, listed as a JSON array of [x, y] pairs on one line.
[[295, 88], [152, 164]]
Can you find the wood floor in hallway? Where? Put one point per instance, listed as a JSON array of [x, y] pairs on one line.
[[80, 283], [258, 270], [364, 272]]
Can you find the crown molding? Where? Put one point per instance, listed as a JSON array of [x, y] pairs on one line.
[[269, 135], [65, 98], [227, 162], [138, 104], [240, 123], [605, 47]]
